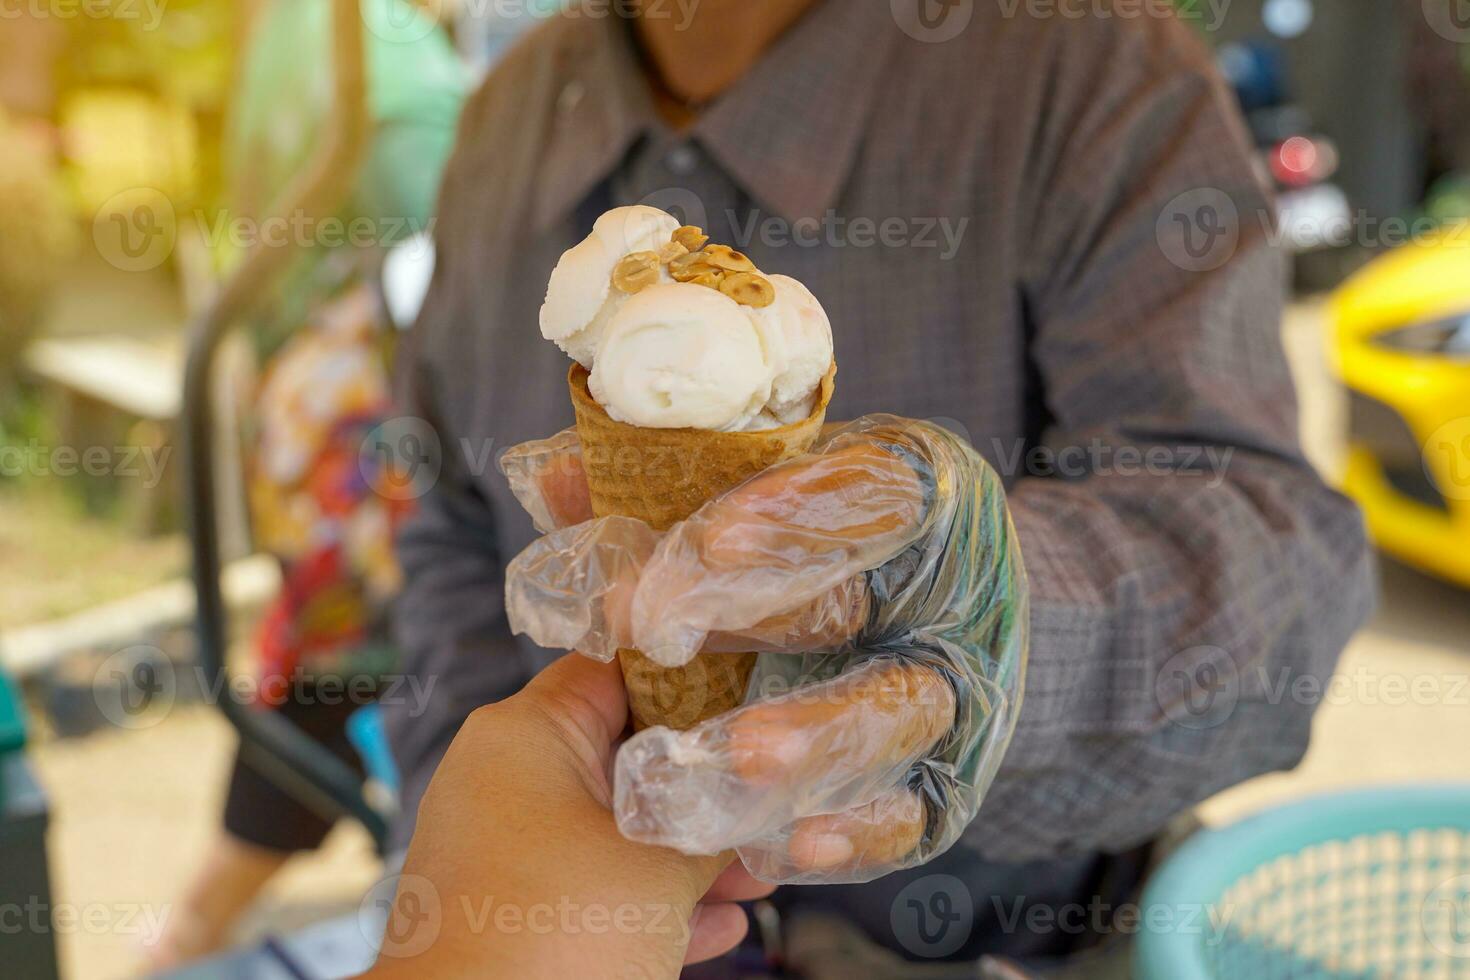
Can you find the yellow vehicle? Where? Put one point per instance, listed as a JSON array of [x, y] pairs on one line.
[[1402, 335]]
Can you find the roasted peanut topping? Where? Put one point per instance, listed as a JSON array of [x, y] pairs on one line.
[[686, 267], [725, 257], [691, 237], [636, 271], [670, 251], [748, 289], [708, 276], [690, 259]]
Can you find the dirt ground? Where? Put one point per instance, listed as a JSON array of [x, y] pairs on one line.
[[59, 560], [135, 810]]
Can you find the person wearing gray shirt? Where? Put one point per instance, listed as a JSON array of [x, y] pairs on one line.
[[1041, 231]]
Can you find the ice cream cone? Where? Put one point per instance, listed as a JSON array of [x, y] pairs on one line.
[[661, 476]]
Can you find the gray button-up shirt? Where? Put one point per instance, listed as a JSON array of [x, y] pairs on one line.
[[1045, 231]]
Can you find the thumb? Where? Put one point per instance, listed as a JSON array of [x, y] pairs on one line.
[[585, 695]]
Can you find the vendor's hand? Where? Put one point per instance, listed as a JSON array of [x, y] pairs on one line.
[[880, 575], [517, 815]]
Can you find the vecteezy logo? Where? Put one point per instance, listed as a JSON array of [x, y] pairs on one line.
[[1198, 688], [933, 915], [400, 458], [1447, 459], [401, 23], [1450, 19], [681, 202], [135, 230], [135, 687], [1199, 230], [932, 21], [401, 915], [1445, 917]]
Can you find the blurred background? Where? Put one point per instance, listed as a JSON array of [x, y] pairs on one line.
[[143, 145]]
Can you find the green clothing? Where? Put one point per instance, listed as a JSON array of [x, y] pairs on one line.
[[416, 86]]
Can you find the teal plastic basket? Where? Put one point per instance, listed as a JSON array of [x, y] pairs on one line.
[[1367, 885], [12, 716]]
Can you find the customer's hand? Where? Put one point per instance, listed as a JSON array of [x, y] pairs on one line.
[[881, 575], [530, 878]]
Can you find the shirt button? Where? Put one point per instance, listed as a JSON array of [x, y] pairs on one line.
[[682, 160]]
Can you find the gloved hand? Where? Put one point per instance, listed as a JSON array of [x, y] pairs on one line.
[[880, 577]]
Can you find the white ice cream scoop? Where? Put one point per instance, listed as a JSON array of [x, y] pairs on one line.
[[580, 300], [798, 340], [676, 355], [682, 355]]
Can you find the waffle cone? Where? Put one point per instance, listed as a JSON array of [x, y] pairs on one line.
[[661, 476]]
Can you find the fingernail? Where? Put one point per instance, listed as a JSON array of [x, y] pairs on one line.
[[786, 748], [826, 850], [666, 654]]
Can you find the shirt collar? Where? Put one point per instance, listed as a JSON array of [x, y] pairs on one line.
[[600, 104], [788, 132]]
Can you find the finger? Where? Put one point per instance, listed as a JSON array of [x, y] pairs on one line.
[[877, 718], [573, 589], [776, 544], [547, 479], [586, 694], [568, 589], [714, 930], [856, 492], [827, 622], [873, 836], [748, 774], [735, 884]]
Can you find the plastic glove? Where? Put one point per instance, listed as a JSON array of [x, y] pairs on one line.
[[881, 579]]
